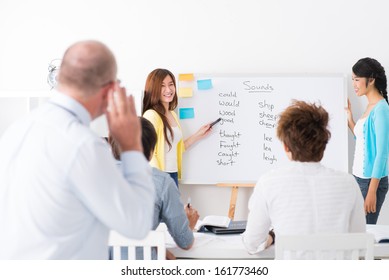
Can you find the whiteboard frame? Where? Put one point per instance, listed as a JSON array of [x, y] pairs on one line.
[[280, 75]]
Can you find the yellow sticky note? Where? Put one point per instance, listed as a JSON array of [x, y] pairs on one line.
[[185, 92], [185, 77]]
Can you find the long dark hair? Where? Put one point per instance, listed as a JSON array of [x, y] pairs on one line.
[[371, 69], [152, 98]]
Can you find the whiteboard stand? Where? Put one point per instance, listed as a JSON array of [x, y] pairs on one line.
[[234, 195]]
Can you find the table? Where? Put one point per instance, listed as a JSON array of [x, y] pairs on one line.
[[230, 246], [212, 246]]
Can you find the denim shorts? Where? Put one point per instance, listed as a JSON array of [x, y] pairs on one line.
[[371, 218]]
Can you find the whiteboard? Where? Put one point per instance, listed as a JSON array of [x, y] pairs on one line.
[[243, 146]]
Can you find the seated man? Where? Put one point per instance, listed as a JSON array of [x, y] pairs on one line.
[[304, 197], [168, 207]]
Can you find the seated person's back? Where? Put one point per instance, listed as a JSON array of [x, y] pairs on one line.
[[303, 197], [170, 210], [168, 207]]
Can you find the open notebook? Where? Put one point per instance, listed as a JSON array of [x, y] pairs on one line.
[[381, 234], [233, 227], [213, 220], [220, 225]]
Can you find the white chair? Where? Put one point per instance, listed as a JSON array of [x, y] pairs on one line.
[[325, 246], [155, 239]]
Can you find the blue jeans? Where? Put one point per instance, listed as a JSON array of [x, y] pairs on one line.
[[371, 218], [174, 176]]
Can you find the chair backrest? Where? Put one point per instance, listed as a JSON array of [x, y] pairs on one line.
[[155, 240], [325, 246]]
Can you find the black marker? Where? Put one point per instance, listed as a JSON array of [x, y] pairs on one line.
[[215, 122]]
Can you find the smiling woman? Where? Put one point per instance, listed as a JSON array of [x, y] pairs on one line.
[[371, 132], [159, 102]]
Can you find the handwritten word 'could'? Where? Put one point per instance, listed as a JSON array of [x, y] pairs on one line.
[[230, 94]]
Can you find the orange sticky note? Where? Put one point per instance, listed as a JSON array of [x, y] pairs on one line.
[[185, 77], [185, 92]]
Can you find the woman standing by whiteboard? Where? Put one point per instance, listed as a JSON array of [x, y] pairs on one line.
[[371, 132], [159, 102]]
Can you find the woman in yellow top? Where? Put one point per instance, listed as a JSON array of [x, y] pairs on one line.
[[159, 102]]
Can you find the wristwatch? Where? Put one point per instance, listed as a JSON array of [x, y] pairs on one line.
[[271, 233]]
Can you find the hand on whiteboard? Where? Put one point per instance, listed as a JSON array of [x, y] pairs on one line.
[[123, 122], [349, 111], [350, 119]]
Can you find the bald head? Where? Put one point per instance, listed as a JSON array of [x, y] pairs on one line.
[[86, 66]]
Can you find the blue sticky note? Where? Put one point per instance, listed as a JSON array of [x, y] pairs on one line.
[[186, 113], [204, 84]]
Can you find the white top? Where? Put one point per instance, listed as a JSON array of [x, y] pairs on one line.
[[303, 198], [171, 154], [359, 155], [60, 190]]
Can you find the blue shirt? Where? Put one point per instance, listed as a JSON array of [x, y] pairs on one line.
[[376, 133], [170, 210]]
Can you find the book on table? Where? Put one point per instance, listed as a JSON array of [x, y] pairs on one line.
[[220, 225], [380, 232]]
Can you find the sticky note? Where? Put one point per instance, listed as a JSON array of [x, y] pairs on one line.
[[185, 77], [204, 84], [186, 113], [185, 92]]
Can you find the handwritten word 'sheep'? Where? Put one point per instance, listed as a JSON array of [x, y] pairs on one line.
[[268, 116]]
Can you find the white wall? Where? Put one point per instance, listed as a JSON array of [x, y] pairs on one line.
[[208, 36]]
